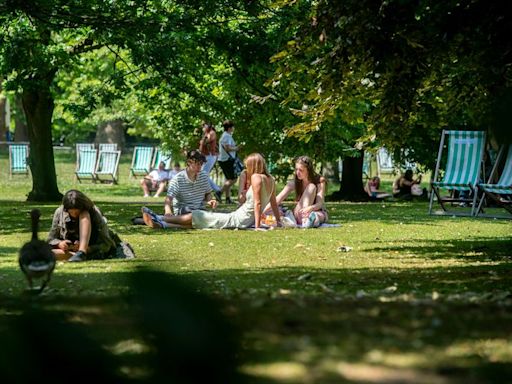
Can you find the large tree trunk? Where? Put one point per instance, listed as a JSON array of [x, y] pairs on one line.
[[351, 186], [3, 115], [20, 125], [111, 132], [38, 106]]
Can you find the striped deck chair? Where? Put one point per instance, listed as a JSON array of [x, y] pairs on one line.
[[107, 146], [462, 171], [503, 186], [384, 162], [367, 165], [142, 160], [18, 159], [159, 156], [107, 166], [86, 164], [80, 146]]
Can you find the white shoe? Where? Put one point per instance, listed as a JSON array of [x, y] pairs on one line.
[[287, 222]]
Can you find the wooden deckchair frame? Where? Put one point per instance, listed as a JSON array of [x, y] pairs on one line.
[[502, 187], [454, 166]]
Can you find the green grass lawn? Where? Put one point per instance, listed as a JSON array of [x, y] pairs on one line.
[[419, 299]]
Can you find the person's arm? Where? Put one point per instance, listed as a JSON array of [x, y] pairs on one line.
[[242, 190], [210, 201], [256, 189], [320, 195], [54, 238], [289, 187], [275, 207], [168, 205]]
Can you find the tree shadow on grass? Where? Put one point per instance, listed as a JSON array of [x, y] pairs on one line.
[[471, 249], [313, 325]]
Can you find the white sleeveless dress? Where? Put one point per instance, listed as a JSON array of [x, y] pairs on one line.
[[243, 217]]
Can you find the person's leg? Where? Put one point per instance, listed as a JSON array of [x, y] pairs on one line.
[[144, 183], [175, 221], [84, 231], [307, 199], [226, 189], [161, 188], [60, 254], [209, 164]]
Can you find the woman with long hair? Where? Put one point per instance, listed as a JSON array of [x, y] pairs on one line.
[[310, 189], [80, 232], [260, 193]]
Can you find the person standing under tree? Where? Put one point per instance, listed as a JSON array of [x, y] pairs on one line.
[[228, 152], [208, 148]]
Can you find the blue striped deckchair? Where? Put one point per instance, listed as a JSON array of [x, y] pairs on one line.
[[18, 156], [86, 164], [107, 146], [503, 186], [142, 160], [107, 166], [462, 170], [159, 156]]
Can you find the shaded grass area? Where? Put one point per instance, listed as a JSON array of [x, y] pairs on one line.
[[419, 298]]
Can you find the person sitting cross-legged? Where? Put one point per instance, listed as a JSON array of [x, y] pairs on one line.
[[189, 190]]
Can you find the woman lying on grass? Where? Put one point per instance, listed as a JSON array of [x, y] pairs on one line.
[[260, 193]]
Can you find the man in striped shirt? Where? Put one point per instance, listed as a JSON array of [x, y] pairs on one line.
[[189, 189]]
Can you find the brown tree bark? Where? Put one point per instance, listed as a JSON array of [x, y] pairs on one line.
[[3, 122], [20, 126], [351, 186], [38, 105]]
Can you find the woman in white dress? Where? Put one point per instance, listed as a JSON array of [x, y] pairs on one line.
[[260, 193]]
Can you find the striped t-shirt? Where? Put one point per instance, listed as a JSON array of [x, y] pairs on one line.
[[188, 193]]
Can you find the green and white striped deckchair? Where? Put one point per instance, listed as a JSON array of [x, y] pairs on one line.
[[107, 146], [385, 162], [462, 171], [159, 156], [18, 159], [107, 166], [80, 146], [142, 160], [86, 164], [503, 186]]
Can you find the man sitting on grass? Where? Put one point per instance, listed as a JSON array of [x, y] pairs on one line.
[[189, 190], [156, 180]]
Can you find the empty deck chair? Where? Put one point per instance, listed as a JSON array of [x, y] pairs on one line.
[[384, 162], [142, 160], [503, 186], [462, 171], [18, 159], [107, 166], [80, 146], [86, 164], [107, 146], [159, 156], [367, 165]]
